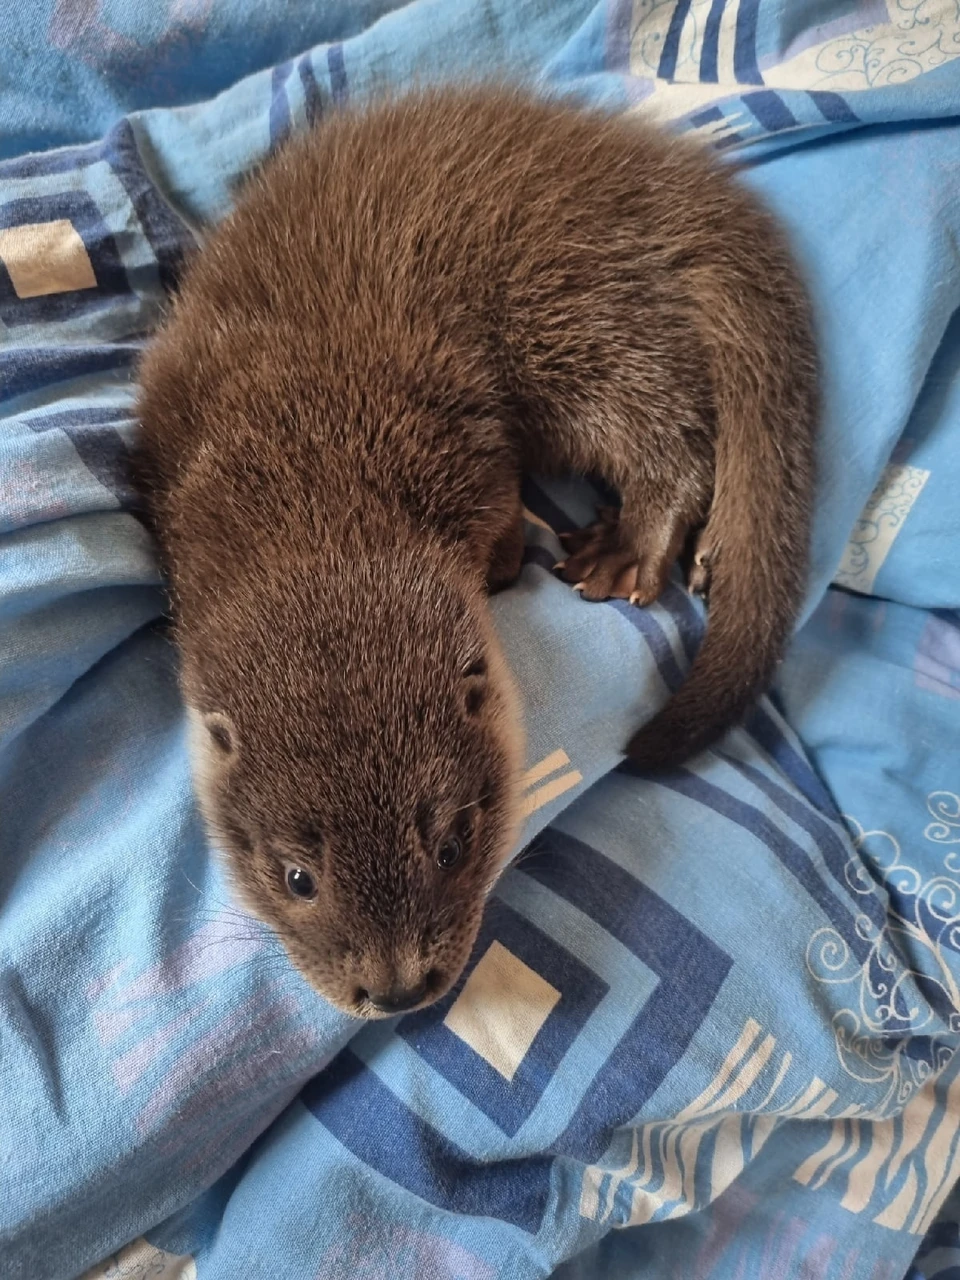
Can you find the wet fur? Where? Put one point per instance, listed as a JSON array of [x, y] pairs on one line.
[[411, 305]]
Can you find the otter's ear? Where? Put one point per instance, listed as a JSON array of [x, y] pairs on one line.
[[213, 736], [221, 732], [475, 685]]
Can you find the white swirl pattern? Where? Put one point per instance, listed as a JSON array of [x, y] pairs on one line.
[[921, 35], [904, 1010]]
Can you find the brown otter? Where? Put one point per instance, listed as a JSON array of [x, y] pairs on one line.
[[411, 304]]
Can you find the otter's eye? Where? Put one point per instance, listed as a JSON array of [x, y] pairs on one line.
[[449, 853], [300, 883]]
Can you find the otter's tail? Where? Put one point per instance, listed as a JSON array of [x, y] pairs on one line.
[[757, 331]]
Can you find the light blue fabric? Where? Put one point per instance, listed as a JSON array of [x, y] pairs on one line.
[[731, 994]]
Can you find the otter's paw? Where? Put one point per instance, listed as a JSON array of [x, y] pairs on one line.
[[698, 577], [602, 564]]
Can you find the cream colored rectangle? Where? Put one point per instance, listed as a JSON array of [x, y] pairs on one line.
[[820, 1107], [880, 522], [936, 1157], [727, 43], [550, 791], [862, 1178], [728, 1157], [701, 1104], [549, 764], [806, 1099], [820, 1159], [140, 1259], [501, 1008], [46, 257], [747, 1076]]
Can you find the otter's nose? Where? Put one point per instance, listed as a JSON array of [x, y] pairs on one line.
[[398, 999]]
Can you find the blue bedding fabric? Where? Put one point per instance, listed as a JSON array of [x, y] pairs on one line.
[[710, 1027]]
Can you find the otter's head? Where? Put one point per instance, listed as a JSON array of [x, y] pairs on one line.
[[356, 747]]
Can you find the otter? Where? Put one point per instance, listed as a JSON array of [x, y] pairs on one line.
[[412, 304]]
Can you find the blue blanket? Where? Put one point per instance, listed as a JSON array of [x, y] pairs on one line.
[[710, 1027]]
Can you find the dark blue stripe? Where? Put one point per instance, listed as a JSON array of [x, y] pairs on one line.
[[100, 446], [711, 43], [539, 556], [761, 725], [671, 44], [832, 107], [657, 641], [66, 204], [509, 1103], [686, 615], [535, 500], [168, 236], [770, 109], [30, 368], [64, 418], [745, 67], [338, 73], [690, 966], [728, 140], [313, 102], [712, 115], [789, 853], [941, 1235], [367, 1118], [900, 1018], [351, 1102], [44, 163], [835, 854], [279, 103]]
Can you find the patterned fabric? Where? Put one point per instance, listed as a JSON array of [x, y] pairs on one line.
[[711, 1023]]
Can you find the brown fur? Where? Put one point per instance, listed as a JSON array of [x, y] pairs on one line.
[[412, 304]]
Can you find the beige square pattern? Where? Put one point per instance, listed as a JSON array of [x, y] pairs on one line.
[[502, 1006], [46, 257]]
